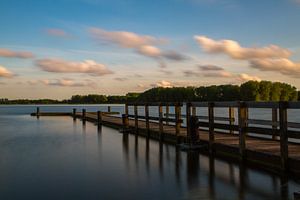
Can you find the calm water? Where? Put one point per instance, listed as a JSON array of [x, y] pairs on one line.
[[56, 158]]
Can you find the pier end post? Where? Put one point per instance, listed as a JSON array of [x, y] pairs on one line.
[[274, 123], [231, 119], [125, 122], [147, 119], [211, 122], [243, 116], [193, 136], [161, 125], [83, 115], [178, 120], [74, 113], [136, 119], [37, 112], [109, 109], [283, 132], [99, 118], [188, 120]]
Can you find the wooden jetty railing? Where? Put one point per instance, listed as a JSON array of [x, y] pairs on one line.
[[237, 135]]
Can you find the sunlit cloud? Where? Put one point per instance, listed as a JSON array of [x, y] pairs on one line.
[[15, 54], [61, 66], [245, 77], [5, 73], [235, 51], [282, 65], [148, 50], [163, 83], [57, 32]]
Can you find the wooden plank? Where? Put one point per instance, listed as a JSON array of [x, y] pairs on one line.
[[211, 126], [243, 115], [283, 135], [231, 119], [258, 104]]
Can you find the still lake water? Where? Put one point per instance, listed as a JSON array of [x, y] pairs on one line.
[[56, 158]]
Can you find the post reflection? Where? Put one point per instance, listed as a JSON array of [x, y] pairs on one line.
[[136, 152], [193, 169], [147, 156], [161, 161], [125, 142]]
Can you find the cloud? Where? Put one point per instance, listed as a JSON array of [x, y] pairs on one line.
[[163, 83], [57, 33], [235, 51], [5, 73], [15, 54], [121, 79], [61, 66], [245, 77], [218, 74], [142, 44], [282, 65], [65, 82], [123, 38], [210, 68]]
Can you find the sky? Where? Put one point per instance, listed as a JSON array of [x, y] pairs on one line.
[[59, 48]]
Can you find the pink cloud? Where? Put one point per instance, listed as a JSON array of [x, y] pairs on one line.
[[57, 32], [15, 54], [5, 73]]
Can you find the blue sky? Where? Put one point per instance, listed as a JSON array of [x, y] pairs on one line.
[[54, 49]]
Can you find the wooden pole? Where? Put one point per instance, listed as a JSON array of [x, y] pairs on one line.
[[231, 119], [296, 195], [99, 117], [136, 119], [178, 120], [147, 119], [74, 113], [211, 119], [126, 109], [188, 117], [243, 116], [38, 112], [125, 121], [161, 126], [194, 111], [194, 131], [167, 113], [283, 135], [274, 123], [83, 114], [108, 109]]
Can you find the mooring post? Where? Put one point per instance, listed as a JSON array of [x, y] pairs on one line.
[[231, 119], [108, 109], [147, 119], [274, 123], [136, 119], [74, 113], [125, 122], [167, 113], [194, 111], [243, 116], [188, 117], [193, 136], [99, 118], [83, 115], [283, 132], [211, 122], [126, 109], [161, 126], [178, 119], [37, 112]]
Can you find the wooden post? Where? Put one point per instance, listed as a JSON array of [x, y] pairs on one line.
[[126, 109], [211, 119], [178, 119], [147, 119], [283, 135], [188, 117], [167, 113], [194, 111], [125, 121], [274, 123], [161, 125], [74, 113], [37, 112], [231, 119], [136, 119], [194, 131], [99, 117], [108, 109], [243, 116], [83, 114]]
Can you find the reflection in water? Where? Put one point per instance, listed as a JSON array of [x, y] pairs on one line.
[[175, 174]]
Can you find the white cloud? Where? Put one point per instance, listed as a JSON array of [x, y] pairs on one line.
[[245, 77], [15, 54], [163, 83], [123, 38], [61, 66], [5, 72], [235, 51], [282, 65], [148, 50]]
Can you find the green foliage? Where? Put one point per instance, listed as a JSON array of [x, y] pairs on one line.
[[248, 91]]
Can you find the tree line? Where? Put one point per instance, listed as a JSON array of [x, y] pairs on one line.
[[248, 91]]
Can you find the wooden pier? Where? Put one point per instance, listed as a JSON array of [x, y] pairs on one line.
[[238, 138]]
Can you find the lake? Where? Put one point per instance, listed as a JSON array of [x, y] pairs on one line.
[[58, 158]]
